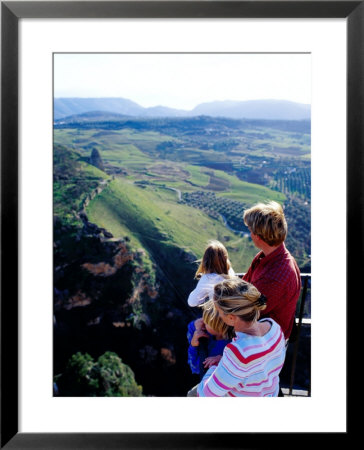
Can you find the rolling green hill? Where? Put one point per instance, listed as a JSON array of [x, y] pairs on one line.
[[152, 214], [243, 161], [127, 238]]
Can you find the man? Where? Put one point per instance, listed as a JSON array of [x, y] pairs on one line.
[[273, 271]]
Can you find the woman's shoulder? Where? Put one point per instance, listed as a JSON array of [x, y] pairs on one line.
[[275, 328], [269, 319]]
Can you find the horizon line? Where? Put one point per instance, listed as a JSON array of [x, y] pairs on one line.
[[183, 109]]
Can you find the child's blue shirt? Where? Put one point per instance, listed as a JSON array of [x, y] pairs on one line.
[[214, 347]]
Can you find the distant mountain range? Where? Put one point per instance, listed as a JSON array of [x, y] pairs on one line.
[[251, 109]]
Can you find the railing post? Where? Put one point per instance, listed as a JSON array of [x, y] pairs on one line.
[[295, 353]]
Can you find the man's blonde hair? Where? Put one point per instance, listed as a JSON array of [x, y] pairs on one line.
[[267, 221]]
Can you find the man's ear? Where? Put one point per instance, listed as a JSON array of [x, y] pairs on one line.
[[258, 239]]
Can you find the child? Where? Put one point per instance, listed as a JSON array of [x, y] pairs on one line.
[[213, 269], [207, 337]]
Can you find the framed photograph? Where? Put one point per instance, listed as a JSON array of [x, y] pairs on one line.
[[47, 47]]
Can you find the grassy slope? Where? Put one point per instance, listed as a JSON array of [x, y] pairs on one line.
[[248, 192], [197, 176], [152, 214]]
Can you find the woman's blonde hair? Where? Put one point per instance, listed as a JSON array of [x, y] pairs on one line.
[[214, 260], [240, 298], [210, 316], [267, 221]]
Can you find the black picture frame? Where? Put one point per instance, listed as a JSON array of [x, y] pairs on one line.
[[11, 12]]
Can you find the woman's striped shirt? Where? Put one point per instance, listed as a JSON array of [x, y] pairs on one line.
[[249, 367]]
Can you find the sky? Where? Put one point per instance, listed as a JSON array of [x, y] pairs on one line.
[[183, 81]]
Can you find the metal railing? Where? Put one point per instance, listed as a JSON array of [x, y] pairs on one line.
[[306, 277]]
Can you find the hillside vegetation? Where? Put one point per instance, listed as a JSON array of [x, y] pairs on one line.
[[150, 213], [240, 160], [128, 233]]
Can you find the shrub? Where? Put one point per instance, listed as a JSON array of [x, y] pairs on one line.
[[107, 377]]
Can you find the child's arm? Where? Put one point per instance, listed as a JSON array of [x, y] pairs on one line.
[[204, 288], [194, 327]]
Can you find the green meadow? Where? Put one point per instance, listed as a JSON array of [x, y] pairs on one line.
[[151, 170], [153, 214], [135, 202]]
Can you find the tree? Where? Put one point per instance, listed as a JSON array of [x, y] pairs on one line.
[[107, 377]]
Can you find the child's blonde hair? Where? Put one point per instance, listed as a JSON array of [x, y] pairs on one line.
[[214, 260], [240, 298], [211, 318]]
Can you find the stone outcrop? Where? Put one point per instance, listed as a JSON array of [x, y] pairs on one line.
[[96, 160], [104, 269]]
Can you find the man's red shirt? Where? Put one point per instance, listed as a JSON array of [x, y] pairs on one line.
[[277, 276]]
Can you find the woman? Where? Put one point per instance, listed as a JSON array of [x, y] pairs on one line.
[[251, 363]]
